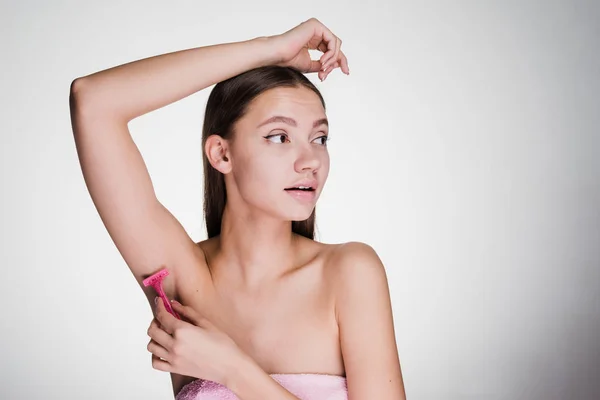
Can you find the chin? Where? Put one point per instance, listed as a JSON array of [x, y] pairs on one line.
[[300, 215]]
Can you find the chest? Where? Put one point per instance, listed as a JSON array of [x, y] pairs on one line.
[[290, 328]]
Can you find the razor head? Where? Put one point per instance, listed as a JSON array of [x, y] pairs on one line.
[[155, 278]]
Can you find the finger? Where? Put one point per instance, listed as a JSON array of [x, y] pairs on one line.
[[160, 336], [335, 57], [189, 314], [167, 321], [323, 48], [153, 325], [331, 68], [160, 365], [344, 63], [327, 43], [330, 54], [330, 40], [325, 67], [315, 66], [184, 311], [159, 351]]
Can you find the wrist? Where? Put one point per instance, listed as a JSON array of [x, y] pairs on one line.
[[236, 369], [270, 48], [239, 370]]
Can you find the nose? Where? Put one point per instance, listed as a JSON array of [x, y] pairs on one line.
[[307, 159]]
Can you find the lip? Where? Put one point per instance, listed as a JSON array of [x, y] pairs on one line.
[[305, 196], [311, 183]]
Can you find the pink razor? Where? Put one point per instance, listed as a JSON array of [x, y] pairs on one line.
[[156, 282]]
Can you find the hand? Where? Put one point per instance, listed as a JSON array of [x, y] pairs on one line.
[[192, 346], [293, 45]]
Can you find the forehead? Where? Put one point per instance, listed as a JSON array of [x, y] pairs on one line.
[[300, 102]]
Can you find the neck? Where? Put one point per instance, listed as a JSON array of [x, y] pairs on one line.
[[253, 249]]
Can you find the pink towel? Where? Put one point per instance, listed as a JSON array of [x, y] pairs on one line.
[[303, 386]]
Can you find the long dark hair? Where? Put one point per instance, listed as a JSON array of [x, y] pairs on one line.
[[227, 103]]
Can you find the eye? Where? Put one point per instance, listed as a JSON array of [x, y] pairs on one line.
[[324, 139], [277, 135]]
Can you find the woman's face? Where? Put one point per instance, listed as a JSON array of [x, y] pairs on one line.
[[271, 154]]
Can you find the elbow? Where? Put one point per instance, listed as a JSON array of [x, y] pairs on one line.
[[76, 86], [83, 99], [87, 99], [75, 93], [83, 105]]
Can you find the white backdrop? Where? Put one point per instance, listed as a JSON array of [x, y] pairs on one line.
[[463, 149]]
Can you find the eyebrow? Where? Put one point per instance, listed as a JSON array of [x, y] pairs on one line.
[[291, 121]]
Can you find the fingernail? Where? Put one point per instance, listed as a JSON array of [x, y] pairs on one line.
[[175, 301], [156, 300]]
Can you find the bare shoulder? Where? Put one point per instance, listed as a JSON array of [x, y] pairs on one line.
[[363, 311], [356, 249], [354, 258], [355, 270]]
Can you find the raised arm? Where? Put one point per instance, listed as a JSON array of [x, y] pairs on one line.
[[130, 90], [144, 231]]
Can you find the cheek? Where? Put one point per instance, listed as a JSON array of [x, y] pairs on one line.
[[258, 175]]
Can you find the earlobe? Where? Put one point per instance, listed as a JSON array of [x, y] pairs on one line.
[[217, 153]]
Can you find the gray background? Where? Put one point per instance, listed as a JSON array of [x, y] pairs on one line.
[[463, 149]]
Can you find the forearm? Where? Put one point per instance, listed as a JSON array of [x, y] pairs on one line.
[[136, 88], [250, 382]]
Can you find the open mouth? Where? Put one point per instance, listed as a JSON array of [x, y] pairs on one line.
[[301, 189]]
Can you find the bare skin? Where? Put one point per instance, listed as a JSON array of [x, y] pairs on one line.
[[266, 287], [262, 286], [302, 327]]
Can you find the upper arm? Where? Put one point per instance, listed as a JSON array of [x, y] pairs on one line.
[[367, 337], [143, 230]]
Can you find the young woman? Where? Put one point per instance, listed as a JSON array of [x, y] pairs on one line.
[[269, 312]]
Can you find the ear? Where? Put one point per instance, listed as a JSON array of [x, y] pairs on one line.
[[217, 152]]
